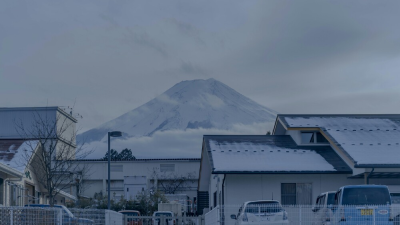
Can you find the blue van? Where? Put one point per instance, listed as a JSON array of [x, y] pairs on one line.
[[362, 205]]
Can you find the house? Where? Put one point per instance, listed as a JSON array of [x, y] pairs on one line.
[[174, 177], [20, 143], [305, 155]]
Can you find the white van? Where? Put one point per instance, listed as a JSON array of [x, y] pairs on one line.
[[322, 207]]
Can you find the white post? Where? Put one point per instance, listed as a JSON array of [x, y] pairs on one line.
[[60, 216], [373, 214], [300, 213], [11, 217]]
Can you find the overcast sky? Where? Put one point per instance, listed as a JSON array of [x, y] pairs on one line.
[[110, 57]]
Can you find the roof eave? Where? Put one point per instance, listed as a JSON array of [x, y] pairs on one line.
[[377, 166]]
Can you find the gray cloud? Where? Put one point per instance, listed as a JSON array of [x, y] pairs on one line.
[[113, 56]]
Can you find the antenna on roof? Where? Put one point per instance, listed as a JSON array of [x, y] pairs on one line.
[[272, 195]]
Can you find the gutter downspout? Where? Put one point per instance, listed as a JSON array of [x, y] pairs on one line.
[[370, 173], [223, 200]]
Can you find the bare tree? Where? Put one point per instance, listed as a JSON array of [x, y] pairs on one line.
[[172, 182], [53, 157]]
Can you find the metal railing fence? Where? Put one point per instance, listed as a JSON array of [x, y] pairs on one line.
[[161, 220], [304, 215], [58, 216], [30, 216]]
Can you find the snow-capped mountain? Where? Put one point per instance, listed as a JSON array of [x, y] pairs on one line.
[[187, 105]]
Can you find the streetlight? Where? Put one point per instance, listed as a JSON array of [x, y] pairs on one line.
[[111, 134]]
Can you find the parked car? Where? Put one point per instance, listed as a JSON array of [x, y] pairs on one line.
[[158, 214], [362, 204], [395, 197], [68, 218], [322, 208], [130, 214], [261, 212]]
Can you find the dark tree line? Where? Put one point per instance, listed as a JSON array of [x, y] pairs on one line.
[[125, 154]]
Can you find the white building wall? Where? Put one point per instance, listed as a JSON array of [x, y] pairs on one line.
[[96, 180], [250, 187]]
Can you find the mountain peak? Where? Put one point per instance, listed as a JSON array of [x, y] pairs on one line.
[[189, 104]]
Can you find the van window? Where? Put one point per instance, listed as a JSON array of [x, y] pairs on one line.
[[365, 196], [331, 199]]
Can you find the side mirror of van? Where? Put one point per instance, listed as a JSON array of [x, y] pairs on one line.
[[233, 216]]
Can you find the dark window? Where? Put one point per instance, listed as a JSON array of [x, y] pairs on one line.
[[263, 207], [296, 194], [366, 196], [331, 199], [307, 137], [321, 138], [313, 138], [288, 192], [215, 199]]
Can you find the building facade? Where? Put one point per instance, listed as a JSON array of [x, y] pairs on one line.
[[21, 141], [173, 177], [305, 156]]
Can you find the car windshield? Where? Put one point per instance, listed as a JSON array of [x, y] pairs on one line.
[[163, 214], [331, 199], [395, 198], [263, 207], [365, 196]]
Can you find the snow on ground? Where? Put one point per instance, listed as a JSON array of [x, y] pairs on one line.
[[366, 140], [245, 156]]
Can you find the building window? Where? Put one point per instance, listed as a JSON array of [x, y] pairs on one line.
[[215, 199], [313, 138], [296, 193], [167, 167], [116, 168]]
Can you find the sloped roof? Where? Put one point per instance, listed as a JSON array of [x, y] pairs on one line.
[[270, 154], [369, 140], [15, 153]]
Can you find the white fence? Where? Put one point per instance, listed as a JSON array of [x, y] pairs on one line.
[[30, 216], [162, 220], [213, 217], [113, 218], [58, 216], [305, 215], [99, 216]]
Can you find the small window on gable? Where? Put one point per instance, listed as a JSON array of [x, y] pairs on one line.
[[307, 137], [313, 138]]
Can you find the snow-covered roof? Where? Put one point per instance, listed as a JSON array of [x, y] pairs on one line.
[[14, 153], [367, 139], [270, 154]]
